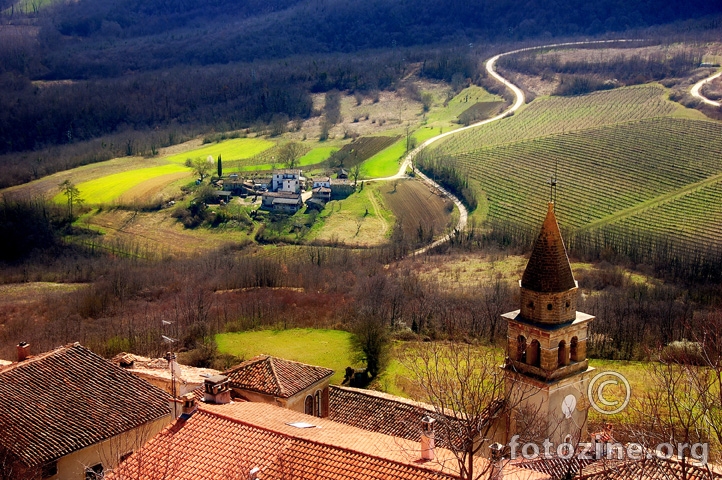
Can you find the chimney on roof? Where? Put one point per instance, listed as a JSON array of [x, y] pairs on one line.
[[217, 389], [23, 351], [427, 438], [190, 405]]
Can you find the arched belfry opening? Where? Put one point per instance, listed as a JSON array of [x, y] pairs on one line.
[[547, 336], [534, 354], [574, 349], [562, 354], [521, 348]]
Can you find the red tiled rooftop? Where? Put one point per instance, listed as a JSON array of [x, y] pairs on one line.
[[68, 399], [388, 414], [227, 441], [654, 468], [275, 376], [210, 446], [372, 444]]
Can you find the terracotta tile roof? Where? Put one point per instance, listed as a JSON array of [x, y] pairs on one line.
[[548, 269], [388, 414], [275, 376], [352, 439], [654, 468], [69, 398], [556, 467], [226, 441], [158, 367], [212, 446]]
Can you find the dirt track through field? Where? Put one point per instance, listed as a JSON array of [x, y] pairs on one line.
[[698, 86], [377, 211]]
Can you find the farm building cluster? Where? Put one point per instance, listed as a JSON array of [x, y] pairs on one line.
[[285, 190]]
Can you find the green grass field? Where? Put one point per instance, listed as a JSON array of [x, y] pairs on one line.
[[446, 116], [233, 149], [314, 157], [362, 219], [29, 6], [385, 163], [332, 349], [325, 348], [108, 188]]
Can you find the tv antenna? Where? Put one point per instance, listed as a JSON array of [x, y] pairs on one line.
[[175, 371], [553, 185]]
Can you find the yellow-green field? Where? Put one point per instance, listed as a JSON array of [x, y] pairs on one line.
[[234, 149], [445, 118], [332, 349], [109, 188]]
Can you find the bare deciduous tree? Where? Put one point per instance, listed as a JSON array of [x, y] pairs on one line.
[[467, 389], [290, 153]]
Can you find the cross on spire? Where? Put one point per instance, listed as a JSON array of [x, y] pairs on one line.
[[553, 186]]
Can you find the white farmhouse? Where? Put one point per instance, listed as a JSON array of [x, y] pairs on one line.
[[287, 181]]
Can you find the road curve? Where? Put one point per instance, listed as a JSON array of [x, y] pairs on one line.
[[698, 86], [518, 102]]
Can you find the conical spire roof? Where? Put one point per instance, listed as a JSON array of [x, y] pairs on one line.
[[548, 269]]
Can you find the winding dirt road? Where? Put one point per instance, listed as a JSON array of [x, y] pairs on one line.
[[518, 102], [698, 86]]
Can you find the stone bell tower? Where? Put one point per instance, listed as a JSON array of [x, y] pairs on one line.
[[546, 371]]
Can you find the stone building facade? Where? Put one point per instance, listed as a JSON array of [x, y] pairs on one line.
[[547, 367]]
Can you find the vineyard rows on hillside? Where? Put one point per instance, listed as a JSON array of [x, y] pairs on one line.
[[600, 171], [555, 115], [692, 221], [361, 149]]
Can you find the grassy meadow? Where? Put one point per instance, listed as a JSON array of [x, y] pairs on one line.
[[385, 163], [332, 349], [233, 149], [362, 219], [111, 187], [325, 348]]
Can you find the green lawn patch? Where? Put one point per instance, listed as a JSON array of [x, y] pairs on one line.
[[325, 348], [107, 189], [233, 149], [362, 219], [385, 163], [314, 157]]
